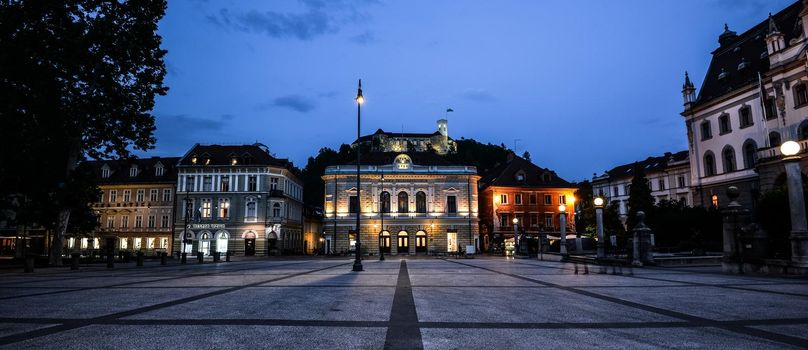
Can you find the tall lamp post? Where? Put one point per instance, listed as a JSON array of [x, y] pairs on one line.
[[381, 229], [515, 237], [185, 240], [562, 210], [599, 222], [796, 201], [357, 265]]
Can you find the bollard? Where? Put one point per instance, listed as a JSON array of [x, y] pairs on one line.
[[184, 258], [227, 256], [164, 259], [110, 260], [74, 261], [139, 258], [29, 263], [127, 257], [216, 257], [200, 256]]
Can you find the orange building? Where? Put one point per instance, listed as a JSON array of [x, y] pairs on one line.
[[531, 194]]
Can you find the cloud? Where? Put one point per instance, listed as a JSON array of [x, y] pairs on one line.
[[184, 122], [363, 39], [480, 95], [294, 102], [319, 17]]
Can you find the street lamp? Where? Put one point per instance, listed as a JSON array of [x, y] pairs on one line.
[[381, 211], [357, 265], [799, 225], [599, 222], [562, 210], [515, 236]]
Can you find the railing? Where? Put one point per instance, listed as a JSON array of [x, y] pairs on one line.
[[774, 152]]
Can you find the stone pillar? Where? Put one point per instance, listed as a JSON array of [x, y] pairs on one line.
[[563, 233], [734, 216], [601, 242], [796, 203], [643, 249]]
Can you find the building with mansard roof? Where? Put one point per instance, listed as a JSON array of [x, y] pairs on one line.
[[753, 97], [239, 199]]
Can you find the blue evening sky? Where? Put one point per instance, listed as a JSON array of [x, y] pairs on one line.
[[581, 85]]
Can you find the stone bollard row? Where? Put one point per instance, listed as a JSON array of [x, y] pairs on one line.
[[74, 261]]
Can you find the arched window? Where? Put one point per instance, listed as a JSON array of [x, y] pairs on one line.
[[384, 202], [251, 212], [749, 154], [724, 125], [276, 210], [204, 243], [221, 242], [745, 117], [403, 202], [709, 164], [802, 133], [420, 202], [403, 242], [800, 94], [774, 139], [728, 159]]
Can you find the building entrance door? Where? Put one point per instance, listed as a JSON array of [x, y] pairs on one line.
[[249, 246], [384, 242], [403, 242], [420, 242]]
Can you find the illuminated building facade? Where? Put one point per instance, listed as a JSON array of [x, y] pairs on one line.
[[240, 199], [531, 194], [411, 203], [438, 142]]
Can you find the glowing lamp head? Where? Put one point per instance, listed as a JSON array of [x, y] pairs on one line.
[[598, 202], [515, 221], [562, 208], [359, 98], [789, 148]]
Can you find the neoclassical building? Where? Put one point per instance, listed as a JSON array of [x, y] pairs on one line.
[[438, 141], [239, 199], [754, 97], [410, 203]]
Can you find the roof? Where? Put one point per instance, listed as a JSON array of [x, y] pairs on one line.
[[648, 165], [396, 134], [749, 48], [119, 170], [219, 155], [418, 158], [534, 176]]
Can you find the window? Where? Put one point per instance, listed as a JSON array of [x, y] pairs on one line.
[[504, 220], [150, 243], [151, 221], [113, 196], [252, 183], [105, 171], [616, 191], [749, 154], [745, 116], [276, 210], [520, 177], [661, 183], [800, 95], [517, 199], [548, 199], [164, 221], [706, 131], [771, 109], [166, 195], [207, 183], [714, 200], [204, 210], [709, 164], [681, 181], [451, 242], [221, 242], [138, 221], [403, 202], [728, 157], [420, 202], [189, 209], [384, 202], [532, 198], [127, 195], [774, 139], [189, 184], [153, 195], [124, 243], [133, 171], [562, 199], [353, 205], [164, 243], [451, 204], [503, 199], [548, 220], [110, 222], [140, 195], [224, 208], [534, 220], [802, 133], [724, 125], [251, 213], [136, 242], [273, 183], [101, 197], [124, 221], [224, 186], [683, 200], [159, 170]]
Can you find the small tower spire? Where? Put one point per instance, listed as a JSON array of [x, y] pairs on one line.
[[772, 26], [727, 36], [688, 91]]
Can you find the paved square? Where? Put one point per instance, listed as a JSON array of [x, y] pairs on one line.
[[419, 303]]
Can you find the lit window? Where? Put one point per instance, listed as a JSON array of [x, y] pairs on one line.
[[205, 211], [562, 199], [715, 201], [224, 208], [503, 198]]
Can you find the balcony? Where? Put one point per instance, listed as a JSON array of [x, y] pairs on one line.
[[774, 152]]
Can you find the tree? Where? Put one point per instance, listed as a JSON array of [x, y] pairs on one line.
[[585, 222], [639, 198], [78, 79], [483, 156], [526, 155]]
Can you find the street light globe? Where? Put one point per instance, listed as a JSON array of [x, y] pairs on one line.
[[789, 148], [562, 208], [360, 100], [598, 201], [515, 221]]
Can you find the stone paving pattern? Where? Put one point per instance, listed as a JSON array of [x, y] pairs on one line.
[[481, 303]]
